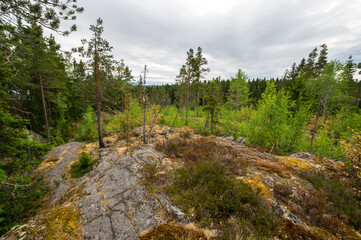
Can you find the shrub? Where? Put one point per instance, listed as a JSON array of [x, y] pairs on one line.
[[282, 191], [340, 199], [82, 166], [149, 171], [17, 203], [85, 160], [211, 196], [352, 150], [273, 125], [325, 144], [87, 128]]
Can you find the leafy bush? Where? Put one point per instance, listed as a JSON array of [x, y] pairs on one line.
[[82, 166], [325, 144], [274, 125], [211, 196], [346, 121], [87, 130], [85, 160], [353, 160]]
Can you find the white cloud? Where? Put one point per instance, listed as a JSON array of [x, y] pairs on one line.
[[260, 36]]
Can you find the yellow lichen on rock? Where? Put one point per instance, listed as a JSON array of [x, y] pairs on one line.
[[87, 148], [48, 164], [296, 162], [63, 222], [255, 185]]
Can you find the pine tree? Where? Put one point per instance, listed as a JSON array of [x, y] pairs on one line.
[[48, 14], [98, 51], [199, 72]]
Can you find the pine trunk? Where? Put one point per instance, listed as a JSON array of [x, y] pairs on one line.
[[43, 100], [98, 99], [145, 105]]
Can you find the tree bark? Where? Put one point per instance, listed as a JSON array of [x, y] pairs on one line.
[[43, 99], [98, 97], [145, 106]]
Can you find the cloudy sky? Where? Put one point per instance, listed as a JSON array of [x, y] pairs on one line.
[[262, 37]]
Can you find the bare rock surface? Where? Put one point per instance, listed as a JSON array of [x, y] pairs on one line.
[[111, 201], [116, 197]]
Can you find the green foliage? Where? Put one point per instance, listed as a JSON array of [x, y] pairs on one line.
[[352, 149], [130, 117], [325, 144], [47, 13], [345, 122], [18, 153], [273, 124], [238, 91], [212, 196], [212, 106], [82, 166], [85, 160], [87, 127], [17, 200]]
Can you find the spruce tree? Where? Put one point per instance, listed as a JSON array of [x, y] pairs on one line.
[[322, 59], [212, 106], [238, 91]]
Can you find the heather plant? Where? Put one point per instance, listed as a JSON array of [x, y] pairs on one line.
[[210, 195]]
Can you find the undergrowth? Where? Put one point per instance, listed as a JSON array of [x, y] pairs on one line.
[[82, 166], [334, 199], [211, 196], [166, 232], [205, 148], [18, 200]]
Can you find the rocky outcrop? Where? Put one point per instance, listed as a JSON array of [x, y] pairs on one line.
[[113, 201], [109, 202]]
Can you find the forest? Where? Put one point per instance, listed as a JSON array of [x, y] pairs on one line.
[[87, 94]]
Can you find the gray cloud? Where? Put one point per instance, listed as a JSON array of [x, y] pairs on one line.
[[260, 36]]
